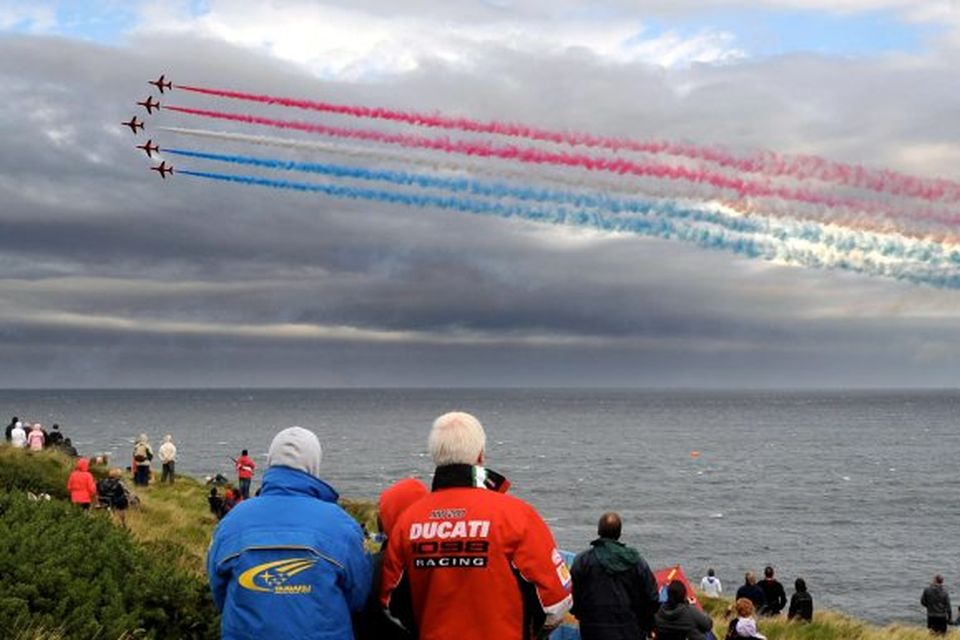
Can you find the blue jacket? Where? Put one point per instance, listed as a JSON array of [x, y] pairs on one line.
[[289, 563]]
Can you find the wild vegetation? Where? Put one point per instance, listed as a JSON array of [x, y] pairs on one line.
[[66, 574]]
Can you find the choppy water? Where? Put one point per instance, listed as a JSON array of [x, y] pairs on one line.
[[854, 491]]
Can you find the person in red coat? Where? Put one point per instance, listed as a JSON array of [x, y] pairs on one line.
[[82, 488], [480, 564], [245, 467]]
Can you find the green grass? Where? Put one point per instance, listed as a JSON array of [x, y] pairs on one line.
[[826, 625]]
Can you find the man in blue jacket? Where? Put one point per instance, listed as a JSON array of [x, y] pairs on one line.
[[289, 563]]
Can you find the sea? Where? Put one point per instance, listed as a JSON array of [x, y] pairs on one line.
[[855, 491]]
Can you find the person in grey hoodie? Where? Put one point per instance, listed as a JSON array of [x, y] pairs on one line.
[[614, 591], [937, 602], [678, 619]]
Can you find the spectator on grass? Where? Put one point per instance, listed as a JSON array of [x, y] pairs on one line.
[[710, 585], [751, 591], [774, 597], [55, 437], [801, 603], [114, 495], [373, 623], [9, 430], [80, 484], [937, 602], [680, 620], [245, 468], [290, 564], [69, 449], [745, 625], [168, 458], [216, 503], [36, 437], [142, 455], [481, 564], [614, 591], [18, 437]]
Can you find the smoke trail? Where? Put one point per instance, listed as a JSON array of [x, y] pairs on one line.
[[840, 239], [741, 187], [485, 189], [434, 163], [703, 235], [750, 210], [764, 162]]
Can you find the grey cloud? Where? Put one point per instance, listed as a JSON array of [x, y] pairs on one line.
[[82, 208]]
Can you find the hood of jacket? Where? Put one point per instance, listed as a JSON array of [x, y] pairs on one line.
[[671, 612], [82, 465], [286, 481], [614, 556]]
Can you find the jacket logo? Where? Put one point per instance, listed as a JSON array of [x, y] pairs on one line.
[[272, 577]]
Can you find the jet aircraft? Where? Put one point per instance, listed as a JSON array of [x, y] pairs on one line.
[[149, 148], [160, 84], [133, 123], [149, 104], [163, 169]]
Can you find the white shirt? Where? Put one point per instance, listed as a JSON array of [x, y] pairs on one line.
[[711, 587], [167, 452], [18, 437]]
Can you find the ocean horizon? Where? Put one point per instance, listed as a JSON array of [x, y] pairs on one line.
[[841, 487]]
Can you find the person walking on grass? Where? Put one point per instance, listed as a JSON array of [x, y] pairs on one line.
[[936, 600], [114, 495], [245, 469], [80, 484], [168, 458]]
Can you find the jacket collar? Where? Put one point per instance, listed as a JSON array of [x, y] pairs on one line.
[[288, 481], [449, 476]]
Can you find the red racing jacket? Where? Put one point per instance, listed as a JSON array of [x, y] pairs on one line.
[[473, 557]]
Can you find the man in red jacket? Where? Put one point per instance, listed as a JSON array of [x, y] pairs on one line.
[[245, 467], [480, 564]]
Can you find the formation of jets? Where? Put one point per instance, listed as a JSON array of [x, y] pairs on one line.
[[150, 104]]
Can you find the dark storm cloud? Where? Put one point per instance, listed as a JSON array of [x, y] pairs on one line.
[[110, 276]]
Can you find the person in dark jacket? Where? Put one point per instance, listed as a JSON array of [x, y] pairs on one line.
[[114, 495], [751, 591], [937, 602], [801, 603], [678, 619], [614, 591], [55, 437], [774, 597], [8, 433], [373, 623]]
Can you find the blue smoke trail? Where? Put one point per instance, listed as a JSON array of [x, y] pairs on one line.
[[781, 230], [485, 189], [647, 226]]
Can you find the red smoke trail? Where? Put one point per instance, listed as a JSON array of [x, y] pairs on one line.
[[741, 187], [764, 162]]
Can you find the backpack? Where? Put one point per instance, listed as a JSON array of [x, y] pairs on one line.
[[140, 452]]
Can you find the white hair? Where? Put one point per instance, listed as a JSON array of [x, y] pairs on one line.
[[456, 438]]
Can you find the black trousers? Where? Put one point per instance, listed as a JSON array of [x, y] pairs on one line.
[[167, 472], [937, 626]]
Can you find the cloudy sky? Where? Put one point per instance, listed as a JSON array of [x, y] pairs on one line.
[[110, 277]]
